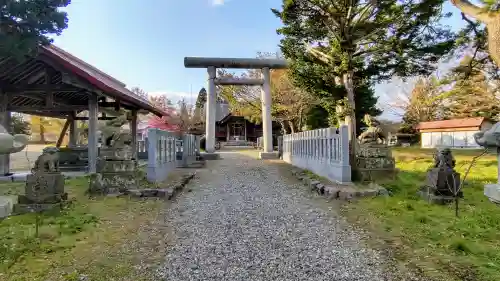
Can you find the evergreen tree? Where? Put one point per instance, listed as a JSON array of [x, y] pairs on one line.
[[201, 99], [384, 38], [25, 25], [471, 96]]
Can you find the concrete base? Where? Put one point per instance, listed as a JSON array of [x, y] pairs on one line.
[[268, 155], [436, 199], [492, 191], [15, 177], [210, 156]]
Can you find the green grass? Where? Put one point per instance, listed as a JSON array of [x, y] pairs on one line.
[[100, 238], [430, 236]]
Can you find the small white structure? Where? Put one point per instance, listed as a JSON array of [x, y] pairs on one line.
[[455, 133]]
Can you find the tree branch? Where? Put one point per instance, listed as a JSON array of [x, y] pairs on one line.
[[471, 10]]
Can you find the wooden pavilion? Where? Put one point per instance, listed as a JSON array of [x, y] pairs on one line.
[[57, 84]]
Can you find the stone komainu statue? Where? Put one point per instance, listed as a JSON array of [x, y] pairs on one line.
[[112, 134], [48, 161], [374, 133]]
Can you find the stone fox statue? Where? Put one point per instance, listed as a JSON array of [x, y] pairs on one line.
[[374, 133]]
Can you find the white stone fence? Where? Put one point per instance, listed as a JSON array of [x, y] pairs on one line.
[[259, 143], [324, 152], [165, 152]]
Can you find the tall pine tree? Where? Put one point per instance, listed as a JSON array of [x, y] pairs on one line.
[[384, 37], [25, 25], [471, 95]]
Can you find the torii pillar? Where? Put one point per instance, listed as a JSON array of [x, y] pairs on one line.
[[211, 64]]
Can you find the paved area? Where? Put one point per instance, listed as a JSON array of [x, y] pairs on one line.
[[242, 221], [24, 160]]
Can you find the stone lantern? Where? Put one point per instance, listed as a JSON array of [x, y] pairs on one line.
[[491, 139]]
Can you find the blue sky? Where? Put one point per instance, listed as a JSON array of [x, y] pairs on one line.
[[143, 43]]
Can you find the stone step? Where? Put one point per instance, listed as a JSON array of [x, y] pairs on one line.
[[342, 192]]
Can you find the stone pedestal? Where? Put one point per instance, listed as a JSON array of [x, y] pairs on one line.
[[43, 191], [440, 186], [492, 191], [116, 172], [268, 155], [210, 156], [375, 162]]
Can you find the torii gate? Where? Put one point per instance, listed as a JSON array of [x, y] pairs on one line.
[[211, 64]]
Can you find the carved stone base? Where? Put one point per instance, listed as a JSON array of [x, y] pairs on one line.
[[374, 151], [112, 182], [370, 175], [442, 182], [20, 209], [111, 166], [124, 153], [436, 199], [44, 188], [375, 163]]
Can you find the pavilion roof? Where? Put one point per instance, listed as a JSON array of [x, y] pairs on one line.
[[68, 92]]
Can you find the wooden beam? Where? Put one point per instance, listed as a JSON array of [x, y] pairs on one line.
[[92, 139], [49, 99], [53, 114], [5, 122], [73, 133], [56, 104], [78, 118], [63, 133], [38, 88], [35, 108], [67, 78]]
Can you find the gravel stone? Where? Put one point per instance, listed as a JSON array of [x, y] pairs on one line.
[[243, 221]]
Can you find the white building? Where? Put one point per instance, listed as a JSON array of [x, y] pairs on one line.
[[455, 133]]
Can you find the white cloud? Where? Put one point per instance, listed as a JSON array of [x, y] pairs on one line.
[[218, 2]]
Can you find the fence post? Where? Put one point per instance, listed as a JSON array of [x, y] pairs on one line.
[[344, 144], [152, 154], [185, 149]]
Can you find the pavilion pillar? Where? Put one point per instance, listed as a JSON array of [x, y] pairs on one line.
[[210, 111], [73, 133], [267, 129], [133, 131], [93, 141], [5, 122]]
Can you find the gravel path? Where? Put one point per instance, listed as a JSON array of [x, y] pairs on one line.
[[241, 221]]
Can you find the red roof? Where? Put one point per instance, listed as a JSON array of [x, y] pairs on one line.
[[99, 79], [451, 124]]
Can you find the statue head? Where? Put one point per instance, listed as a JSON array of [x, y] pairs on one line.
[[118, 121], [443, 158], [370, 121], [50, 150]]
